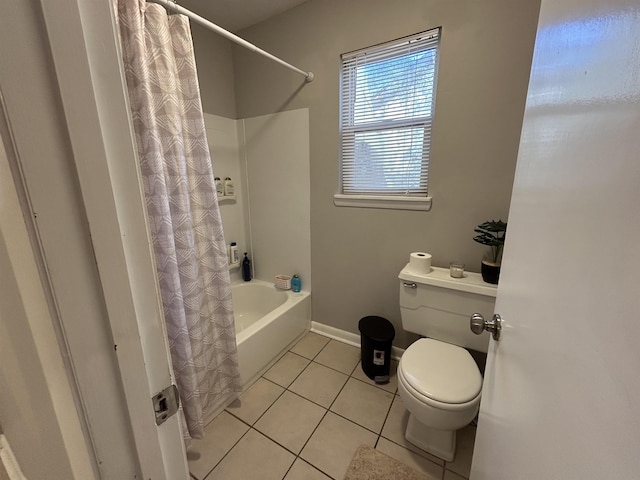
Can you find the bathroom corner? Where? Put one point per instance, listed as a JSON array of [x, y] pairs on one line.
[[267, 157]]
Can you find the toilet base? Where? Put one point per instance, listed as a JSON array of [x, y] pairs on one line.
[[441, 443]]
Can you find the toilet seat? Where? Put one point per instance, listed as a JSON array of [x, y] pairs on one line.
[[440, 374]]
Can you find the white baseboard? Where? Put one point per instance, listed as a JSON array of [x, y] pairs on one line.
[[347, 337]]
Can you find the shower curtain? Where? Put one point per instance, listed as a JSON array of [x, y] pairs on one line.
[[182, 207]]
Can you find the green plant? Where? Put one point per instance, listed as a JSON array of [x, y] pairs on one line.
[[492, 234]]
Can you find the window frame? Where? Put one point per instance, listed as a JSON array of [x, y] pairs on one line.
[[419, 198]]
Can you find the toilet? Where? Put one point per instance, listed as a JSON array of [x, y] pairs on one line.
[[438, 380]]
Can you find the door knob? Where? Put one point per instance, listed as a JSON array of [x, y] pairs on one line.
[[478, 325]]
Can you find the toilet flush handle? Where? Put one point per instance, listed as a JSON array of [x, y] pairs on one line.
[[478, 325]]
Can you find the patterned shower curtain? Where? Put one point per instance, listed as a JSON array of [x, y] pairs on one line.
[[182, 207]]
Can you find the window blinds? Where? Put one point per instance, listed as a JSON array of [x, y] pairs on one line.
[[387, 100]]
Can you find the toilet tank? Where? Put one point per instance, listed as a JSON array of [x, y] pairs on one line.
[[438, 306]]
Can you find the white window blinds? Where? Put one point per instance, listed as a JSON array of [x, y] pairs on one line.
[[387, 102]]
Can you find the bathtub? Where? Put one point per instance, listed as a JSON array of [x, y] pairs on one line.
[[268, 322]]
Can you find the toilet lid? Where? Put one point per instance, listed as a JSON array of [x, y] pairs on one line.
[[443, 372]]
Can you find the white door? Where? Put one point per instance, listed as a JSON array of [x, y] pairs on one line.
[[91, 83], [63, 90], [561, 396]]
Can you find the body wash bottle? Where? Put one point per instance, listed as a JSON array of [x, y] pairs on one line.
[[246, 268]]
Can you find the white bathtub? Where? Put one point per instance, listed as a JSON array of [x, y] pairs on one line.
[[268, 322]]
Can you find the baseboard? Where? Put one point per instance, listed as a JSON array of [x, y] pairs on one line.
[[347, 337]]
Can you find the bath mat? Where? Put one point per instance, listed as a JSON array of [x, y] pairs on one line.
[[370, 464]]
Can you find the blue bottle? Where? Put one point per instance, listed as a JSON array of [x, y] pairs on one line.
[[296, 284]]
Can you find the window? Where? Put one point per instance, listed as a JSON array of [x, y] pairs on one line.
[[386, 113]]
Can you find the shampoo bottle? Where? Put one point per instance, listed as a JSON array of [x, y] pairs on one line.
[[219, 187], [246, 268], [234, 257], [228, 187]]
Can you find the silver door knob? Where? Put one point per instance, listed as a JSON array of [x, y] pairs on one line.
[[478, 325]]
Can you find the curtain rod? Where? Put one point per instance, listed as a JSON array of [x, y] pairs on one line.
[[230, 36]]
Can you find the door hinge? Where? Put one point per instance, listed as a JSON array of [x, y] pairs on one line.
[[165, 403]]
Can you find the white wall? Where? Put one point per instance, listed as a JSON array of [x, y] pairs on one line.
[[277, 156], [224, 145], [267, 157]]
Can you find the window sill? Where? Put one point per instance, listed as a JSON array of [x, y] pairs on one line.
[[382, 201]]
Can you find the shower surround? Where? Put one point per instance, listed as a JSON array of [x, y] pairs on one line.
[[269, 217]]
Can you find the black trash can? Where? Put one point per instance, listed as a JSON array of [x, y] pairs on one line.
[[376, 336]]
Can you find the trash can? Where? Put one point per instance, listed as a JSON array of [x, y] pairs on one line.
[[376, 336]]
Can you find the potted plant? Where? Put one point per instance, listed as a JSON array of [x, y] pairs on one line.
[[491, 234]]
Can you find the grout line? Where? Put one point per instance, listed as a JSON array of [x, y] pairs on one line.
[[330, 368], [420, 453], [307, 399], [386, 417], [294, 353], [374, 385], [298, 375], [286, 389], [238, 418], [356, 423], [316, 468], [307, 441], [297, 456], [349, 376], [227, 453], [290, 467], [272, 403], [306, 335], [327, 409]]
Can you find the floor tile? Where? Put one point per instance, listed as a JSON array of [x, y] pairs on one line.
[[391, 386], [364, 404], [255, 456], [409, 458], [290, 421], [333, 444], [310, 345], [465, 439], [339, 356], [452, 476], [285, 370], [301, 470], [255, 401], [395, 426], [319, 384], [219, 436]]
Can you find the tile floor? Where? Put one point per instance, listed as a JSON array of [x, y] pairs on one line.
[[305, 417]]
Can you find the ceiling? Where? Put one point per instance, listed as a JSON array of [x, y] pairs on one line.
[[235, 15]]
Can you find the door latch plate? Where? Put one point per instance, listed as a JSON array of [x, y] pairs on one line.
[[166, 403]]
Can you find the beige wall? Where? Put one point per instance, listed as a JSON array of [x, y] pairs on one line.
[[483, 74], [215, 71]]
